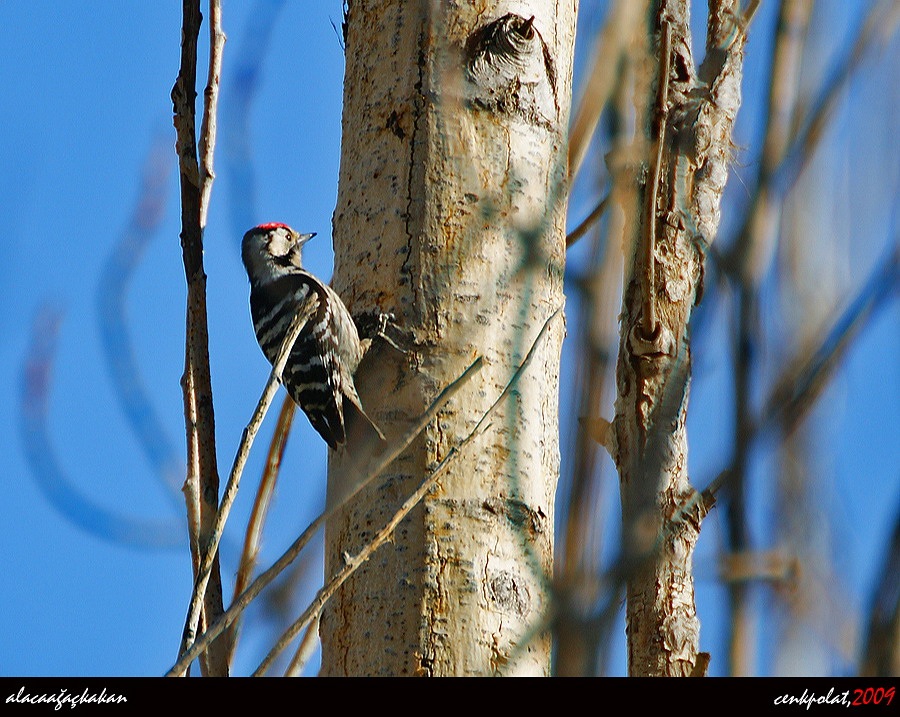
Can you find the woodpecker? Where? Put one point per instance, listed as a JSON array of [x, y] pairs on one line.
[[320, 367]]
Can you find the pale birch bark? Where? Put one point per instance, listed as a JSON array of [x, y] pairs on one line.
[[674, 215], [451, 215]]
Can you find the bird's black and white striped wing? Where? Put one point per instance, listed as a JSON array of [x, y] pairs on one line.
[[313, 375]]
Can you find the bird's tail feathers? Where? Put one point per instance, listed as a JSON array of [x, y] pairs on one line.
[[362, 432]]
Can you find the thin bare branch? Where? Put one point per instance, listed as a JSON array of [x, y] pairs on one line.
[[202, 482], [211, 548], [304, 651], [253, 534], [209, 125], [589, 221]]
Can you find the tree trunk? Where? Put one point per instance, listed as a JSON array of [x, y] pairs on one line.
[[451, 216], [686, 116]]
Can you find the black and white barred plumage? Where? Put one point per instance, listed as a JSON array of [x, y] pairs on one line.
[[320, 367]]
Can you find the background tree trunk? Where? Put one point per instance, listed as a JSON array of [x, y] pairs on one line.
[[684, 146], [451, 215]]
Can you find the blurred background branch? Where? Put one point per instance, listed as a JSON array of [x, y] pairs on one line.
[[51, 477]]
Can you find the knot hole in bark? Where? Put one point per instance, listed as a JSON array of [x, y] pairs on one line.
[[506, 40], [509, 593], [509, 69]]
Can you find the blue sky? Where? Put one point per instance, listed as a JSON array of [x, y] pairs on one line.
[[86, 101]]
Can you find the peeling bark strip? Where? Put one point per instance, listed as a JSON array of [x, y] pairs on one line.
[[451, 216], [688, 123]]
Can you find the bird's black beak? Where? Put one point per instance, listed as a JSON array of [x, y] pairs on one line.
[[303, 238]]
